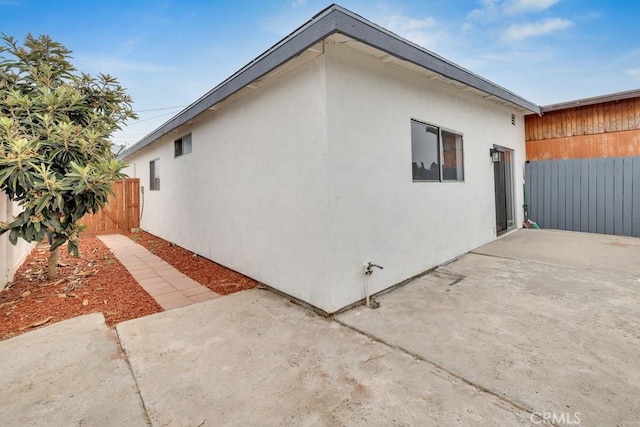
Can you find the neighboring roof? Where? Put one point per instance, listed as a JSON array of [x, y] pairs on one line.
[[333, 19], [619, 96]]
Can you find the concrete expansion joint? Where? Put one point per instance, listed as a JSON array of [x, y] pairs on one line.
[[417, 356], [535, 261], [125, 357]]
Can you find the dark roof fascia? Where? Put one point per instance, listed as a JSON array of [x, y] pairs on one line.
[[612, 97], [358, 28], [316, 29], [333, 19]]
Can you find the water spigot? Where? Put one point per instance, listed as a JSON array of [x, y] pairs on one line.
[[369, 266]]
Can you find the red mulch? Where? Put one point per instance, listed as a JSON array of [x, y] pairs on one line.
[[97, 282], [93, 282], [219, 279]]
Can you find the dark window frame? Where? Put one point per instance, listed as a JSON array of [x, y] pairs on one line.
[[437, 171], [182, 145], [154, 175]]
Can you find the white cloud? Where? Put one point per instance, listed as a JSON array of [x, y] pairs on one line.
[[521, 6], [488, 10], [589, 16], [633, 72], [494, 9], [420, 31], [112, 65], [403, 24], [533, 29], [631, 55], [298, 3]]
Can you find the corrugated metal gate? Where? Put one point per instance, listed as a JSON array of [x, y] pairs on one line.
[[590, 195]]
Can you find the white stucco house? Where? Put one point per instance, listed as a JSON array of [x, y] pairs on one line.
[[342, 144], [11, 256]]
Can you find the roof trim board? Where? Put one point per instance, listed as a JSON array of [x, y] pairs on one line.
[[618, 96], [333, 19], [358, 28]]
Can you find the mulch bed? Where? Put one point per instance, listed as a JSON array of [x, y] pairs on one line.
[[97, 282], [214, 276], [93, 282]]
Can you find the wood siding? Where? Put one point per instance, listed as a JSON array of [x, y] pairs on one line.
[[610, 129], [122, 212]]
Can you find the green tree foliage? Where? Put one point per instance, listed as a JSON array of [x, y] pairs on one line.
[[55, 155]]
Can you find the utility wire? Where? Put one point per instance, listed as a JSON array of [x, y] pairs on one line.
[[159, 109], [150, 118]]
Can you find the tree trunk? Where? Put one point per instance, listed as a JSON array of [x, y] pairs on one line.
[[52, 270]]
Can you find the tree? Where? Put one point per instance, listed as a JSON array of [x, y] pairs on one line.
[[56, 160]]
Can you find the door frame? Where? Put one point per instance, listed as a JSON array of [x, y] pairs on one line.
[[507, 201]]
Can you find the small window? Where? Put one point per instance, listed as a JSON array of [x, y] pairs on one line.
[[154, 174], [182, 145], [452, 156], [436, 154]]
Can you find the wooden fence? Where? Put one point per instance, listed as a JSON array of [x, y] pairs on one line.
[[589, 195], [122, 212]]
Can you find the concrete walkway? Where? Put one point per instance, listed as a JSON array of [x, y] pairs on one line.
[[169, 287], [519, 341], [71, 373]]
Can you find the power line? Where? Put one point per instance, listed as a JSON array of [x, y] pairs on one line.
[[150, 118], [159, 109]]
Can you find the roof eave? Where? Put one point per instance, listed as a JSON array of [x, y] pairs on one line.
[[333, 19], [318, 28], [612, 97], [358, 28]]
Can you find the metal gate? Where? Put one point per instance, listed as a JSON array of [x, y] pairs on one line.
[[590, 195]]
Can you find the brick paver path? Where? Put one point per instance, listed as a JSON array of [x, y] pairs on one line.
[[170, 288]]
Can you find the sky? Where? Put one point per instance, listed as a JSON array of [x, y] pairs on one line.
[[169, 53]]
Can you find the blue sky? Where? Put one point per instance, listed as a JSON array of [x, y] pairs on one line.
[[169, 53]]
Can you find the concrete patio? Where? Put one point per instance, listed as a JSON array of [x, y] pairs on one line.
[[537, 328]]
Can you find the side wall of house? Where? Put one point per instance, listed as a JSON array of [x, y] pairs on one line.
[[252, 194], [377, 213], [11, 257]]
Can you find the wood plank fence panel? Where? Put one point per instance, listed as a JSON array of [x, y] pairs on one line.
[[593, 187], [600, 192], [635, 196], [569, 198], [562, 201], [527, 194], [627, 194], [618, 186], [535, 206], [588, 195], [577, 217], [540, 184], [547, 191], [554, 193], [584, 195], [608, 196], [120, 214]]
